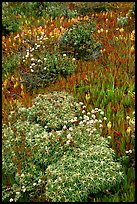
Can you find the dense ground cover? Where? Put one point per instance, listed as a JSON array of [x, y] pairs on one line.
[[95, 112]]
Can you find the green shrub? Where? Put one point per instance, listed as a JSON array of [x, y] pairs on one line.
[[132, 10], [54, 144], [79, 40], [122, 21]]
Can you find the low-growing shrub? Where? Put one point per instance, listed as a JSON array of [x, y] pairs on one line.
[[80, 41], [56, 144]]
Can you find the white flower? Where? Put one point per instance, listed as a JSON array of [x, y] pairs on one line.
[[96, 109], [127, 117], [86, 117], [39, 60], [126, 152], [93, 116], [105, 118], [45, 59], [100, 125], [92, 111], [71, 129], [73, 59], [32, 70], [39, 181], [80, 123], [102, 113], [22, 175], [33, 64], [69, 136], [109, 137], [81, 103], [84, 106], [45, 126], [133, 112], [100, 121], [88, 113], [83, 111], [130, 151], [38, 45], [45, 68], [24, 190], [68, 142], [17, 193], [64, 55], [32, 59], [34, 184], [64, 127], [11, 200]]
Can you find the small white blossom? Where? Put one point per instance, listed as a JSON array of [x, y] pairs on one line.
[[17, 193], [39, 181], [73, 59], [100, 125], [33, 64], [127, 117], [69, 136], [68, 142], [92, 111], [102, 113], [22, 175], [45, 68], [71, 129], [93, 116], [45, 59], [64, 55], [130, 151], [83, 111], [81, 103], [64, 127], [32, 70], [105, 118], [11, 200], [34, 184]]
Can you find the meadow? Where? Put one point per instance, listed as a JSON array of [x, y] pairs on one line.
[[68, 102]]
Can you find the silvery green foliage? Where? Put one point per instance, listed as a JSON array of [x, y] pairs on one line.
[[53, 109], [79, 41], [91, 169], [64, 152], [122, 21]]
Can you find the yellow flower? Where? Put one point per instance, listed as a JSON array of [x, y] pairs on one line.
[[109, 125], [106, 19], [98, 31], [128, 130], [87, 97], [101, 30], [121, 30], [132, 49], [106, 31]]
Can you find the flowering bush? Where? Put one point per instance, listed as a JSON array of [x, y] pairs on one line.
[[45, 67], [55, 143]]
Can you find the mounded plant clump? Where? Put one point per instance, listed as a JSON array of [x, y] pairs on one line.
[[80, 41], [54, 146]]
